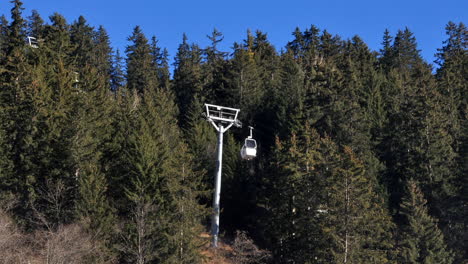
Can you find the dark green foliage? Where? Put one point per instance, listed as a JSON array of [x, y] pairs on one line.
[[160, 63], [323, 206], [117, 76], [213, 70], [452, 86], [420, 240], [81, 38], [201, 141], [163, 189], [35, 25], [386, 53], [141, 74], [188, 80], [103, 57], [404, 51], [346, 137]]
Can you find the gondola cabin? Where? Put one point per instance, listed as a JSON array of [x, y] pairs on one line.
[[249, 150]]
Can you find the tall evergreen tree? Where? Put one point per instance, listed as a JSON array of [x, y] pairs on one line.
[[188, 80], [162, 186], [17, 109], [102, 57], [213, 70], [141, 74], [160, 63], [91, 141], [421, 241], [3, 33], [117, 76], [55, 185], [405, 55], [324, 206], [452, 86], [81, 37], [244, 88], [35, 25], [386, 52], [357, 224]]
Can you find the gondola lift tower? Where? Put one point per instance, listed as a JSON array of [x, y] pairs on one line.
[[222, 118]]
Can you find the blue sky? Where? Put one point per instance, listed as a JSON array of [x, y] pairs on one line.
[[168, 20]]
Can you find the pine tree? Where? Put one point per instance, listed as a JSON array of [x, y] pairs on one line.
[[102, 57], [357, 225], [35, 25], [188, 80], [213, 70], [81, 37], [418, 138], [244, 87], [160, 63], [421, 241], [324, 206], [162, 188], [386, 53], [92, 125], [293, 197], [55, 185], [200, 137], [425, 151], [452, 87], [3, 33], [288, 99], [405, 53], [141, 74], [16, 113], [181, 184], [124, 121], [117, 77]]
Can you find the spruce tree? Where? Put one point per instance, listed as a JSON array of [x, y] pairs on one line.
[[293, 198], [188, 79], [420, 239], [102, 57], [452, 87], [200, 137], [81, 37], [141, 74], [357, 225], [160, 63], [418, 139], [324, 206], [244, 88], [405, 55], [213, 70], [162, 189], [386, 52], [289, 97], [117, 76], [56, 102], [92, 139], [35, 25], [17, 110], [3, 33]]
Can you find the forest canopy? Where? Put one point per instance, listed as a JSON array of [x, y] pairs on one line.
[[106, 157]]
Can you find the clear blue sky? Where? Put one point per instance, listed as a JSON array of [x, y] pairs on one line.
[[168, 20]]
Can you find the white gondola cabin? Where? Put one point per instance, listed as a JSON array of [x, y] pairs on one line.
[[249, 150]]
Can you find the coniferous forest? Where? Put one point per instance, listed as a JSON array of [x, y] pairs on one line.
[[105, 157]]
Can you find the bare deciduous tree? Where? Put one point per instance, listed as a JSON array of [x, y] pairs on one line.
[[13, 244], [246, 252], [137, 243], [70, 244]]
